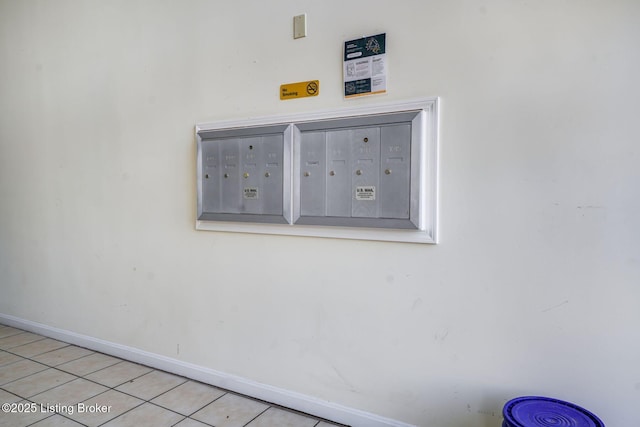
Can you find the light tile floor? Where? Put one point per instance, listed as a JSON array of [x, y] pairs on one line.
[[49, 383]]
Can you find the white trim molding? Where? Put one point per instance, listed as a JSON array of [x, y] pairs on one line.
[[286, 398]]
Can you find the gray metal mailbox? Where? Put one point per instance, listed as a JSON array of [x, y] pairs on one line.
[[242, 174], [360, 171]]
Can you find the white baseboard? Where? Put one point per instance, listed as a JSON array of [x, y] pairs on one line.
[[299, 402]]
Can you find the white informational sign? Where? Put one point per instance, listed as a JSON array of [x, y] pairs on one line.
[[365, 66], [250, 193], [366, 192]]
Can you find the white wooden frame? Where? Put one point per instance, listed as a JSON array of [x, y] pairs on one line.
[[424, 141]]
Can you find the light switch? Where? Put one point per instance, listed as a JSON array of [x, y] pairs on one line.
[[300, 26]]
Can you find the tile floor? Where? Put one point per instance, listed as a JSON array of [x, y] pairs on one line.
[[51, 383]]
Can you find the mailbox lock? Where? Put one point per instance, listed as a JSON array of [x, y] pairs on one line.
[[387, 171], [246, 175], [226, 175], [332, 173], [358, 172], [307, 174], [207, 176], [366, 139], [267, 175]]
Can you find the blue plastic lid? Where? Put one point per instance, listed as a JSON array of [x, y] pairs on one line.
[[535, 411]]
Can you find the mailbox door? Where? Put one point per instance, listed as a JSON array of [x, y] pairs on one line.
[[271, 174], [231, 197], [210, 176], [365, 170], [312, 171], [338, 173], [395, 171], [250, 155]]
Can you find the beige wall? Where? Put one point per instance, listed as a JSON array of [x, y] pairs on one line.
[[533, 290]]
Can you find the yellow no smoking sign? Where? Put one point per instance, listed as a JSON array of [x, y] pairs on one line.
[[300, 89]]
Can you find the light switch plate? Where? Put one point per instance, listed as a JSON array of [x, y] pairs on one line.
[[300, 26]]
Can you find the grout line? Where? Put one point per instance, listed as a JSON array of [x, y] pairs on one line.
[[201, 422], [19, 331], [173, 425], [92, 372], [120, 360], [214, 400], [125, 412], [64, 363], [30, 375], [36, 341], [257, 416], [42, 337], [18, 361], [76, 376], [175, 412], [7, 391], [45, 352], [172, 388], [50, 351], [28, 425], [127, 381], [63, 416]]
